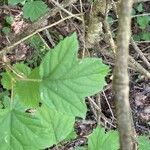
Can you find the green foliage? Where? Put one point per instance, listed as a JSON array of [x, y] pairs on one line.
[[19, 129], [63, 73], [143, 21], [7, 24], [99, 140], [144, 143], [34, 9], [19, 79], [146, 36], [59, 124], [15, 2], [39, 50], [60, 83], [9, 20], [140, 8], [6, 30]]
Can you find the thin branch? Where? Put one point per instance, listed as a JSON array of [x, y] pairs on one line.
[[113, 117], [137, 49], [121, 78], [132, 61], [42, 39], [36, 25], [8, 48], [97, 112], [66, 11], [141, 15], [49, 37], [134, 16], [139, 1], [140, 68]]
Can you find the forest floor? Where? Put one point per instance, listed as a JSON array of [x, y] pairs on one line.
[[29, 53]]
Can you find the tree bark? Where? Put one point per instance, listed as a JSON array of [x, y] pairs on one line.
[[121, 79]]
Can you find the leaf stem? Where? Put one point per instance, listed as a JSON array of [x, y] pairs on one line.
[[29, 80], [12, 94]]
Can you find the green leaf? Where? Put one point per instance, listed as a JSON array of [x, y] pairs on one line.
[[137, 37], [6, 30], [6, 80], [36, 42], [59, 125], [21, 131], [140, 8], [133, 11], [9, 20], [99, 140], [143, 21], [34, 9], [27, 90], [144, 143], [146, 36], [72, 135], [15, 2], [3, 96], [68, 80]]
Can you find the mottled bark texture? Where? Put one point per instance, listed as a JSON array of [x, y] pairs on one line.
[[121, 79], [94, 22]]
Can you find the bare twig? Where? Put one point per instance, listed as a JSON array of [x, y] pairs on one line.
[[132, 61], [66, 11], [141, 15], [31, 29], [137, 49], [139, 1], [45, 43], [97, 112], [49, 37], [113, 117], [8, 48], [140, 68], [83, 26]]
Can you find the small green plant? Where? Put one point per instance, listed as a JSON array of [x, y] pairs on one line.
[[39, 50], [99, 140], [7, 24], [102, 140], [142, 22], [43, 102], [6, 30], [32, 9]]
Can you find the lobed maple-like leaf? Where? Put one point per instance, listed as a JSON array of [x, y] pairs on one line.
[[27, 91], [22, 131], [60, 125], [99, 140], [67, 80], [61, 82]]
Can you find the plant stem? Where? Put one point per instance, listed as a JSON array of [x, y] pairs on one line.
[[121, 78]]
